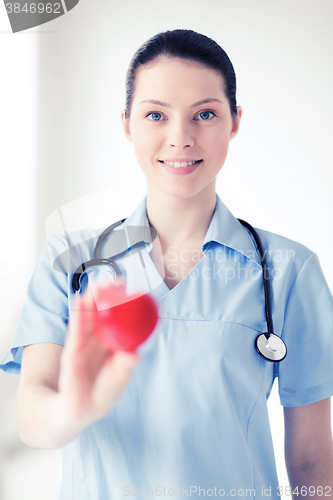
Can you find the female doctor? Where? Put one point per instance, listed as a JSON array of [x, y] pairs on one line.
[[187, 416]]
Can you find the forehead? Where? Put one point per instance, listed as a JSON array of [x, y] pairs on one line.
[[175, 77]]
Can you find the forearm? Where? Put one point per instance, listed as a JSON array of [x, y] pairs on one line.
[[44, 420], [65, 390], [312, 481], [309, 450]]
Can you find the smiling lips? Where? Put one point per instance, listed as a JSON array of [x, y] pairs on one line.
[[180, 164]]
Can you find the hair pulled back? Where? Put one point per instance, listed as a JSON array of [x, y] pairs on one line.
[[184, 44]]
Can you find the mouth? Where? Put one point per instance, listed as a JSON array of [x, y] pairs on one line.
[[182, 164]]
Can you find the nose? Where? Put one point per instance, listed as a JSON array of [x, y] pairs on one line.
[[180, 135]]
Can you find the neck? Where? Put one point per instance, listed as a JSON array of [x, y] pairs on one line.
[[181, 220]]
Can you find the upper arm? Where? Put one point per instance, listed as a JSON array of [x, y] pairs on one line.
[[306, 374], [308, 434], [40, 366]]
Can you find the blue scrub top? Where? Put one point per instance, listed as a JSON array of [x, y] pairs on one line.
[[194, 415]]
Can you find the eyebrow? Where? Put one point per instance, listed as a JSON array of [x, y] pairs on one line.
[[166, 105]]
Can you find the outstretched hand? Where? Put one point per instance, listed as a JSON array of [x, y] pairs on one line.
[[91, 377]]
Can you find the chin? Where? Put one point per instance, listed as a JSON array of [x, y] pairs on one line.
[[182, 194], [180, 190]]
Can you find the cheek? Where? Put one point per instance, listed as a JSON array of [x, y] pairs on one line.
[[143, 150], [146, 143], [218, 143], [140, 142]]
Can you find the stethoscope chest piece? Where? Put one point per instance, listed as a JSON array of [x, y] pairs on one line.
[[271, 347]]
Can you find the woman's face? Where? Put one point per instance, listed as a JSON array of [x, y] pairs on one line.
[[180, 126]]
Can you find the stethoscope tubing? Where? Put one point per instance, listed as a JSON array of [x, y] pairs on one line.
[[269, 345], [265, 275]]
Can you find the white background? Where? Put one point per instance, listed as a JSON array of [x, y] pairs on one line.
[[62, 91]]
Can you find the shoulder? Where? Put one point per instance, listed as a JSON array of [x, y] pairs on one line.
[[297, 276], [278, 243], [67, 251], [68, 240], [285, 254]]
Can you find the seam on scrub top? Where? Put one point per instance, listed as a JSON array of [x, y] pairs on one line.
[[72, 467], [211, 320], [43, 341], [256, 401], [317, 388], [248, 422]]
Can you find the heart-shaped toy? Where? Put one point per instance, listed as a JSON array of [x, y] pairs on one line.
[[122, 322]]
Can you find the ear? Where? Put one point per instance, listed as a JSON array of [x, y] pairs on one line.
[[126, 126], [236, 122]]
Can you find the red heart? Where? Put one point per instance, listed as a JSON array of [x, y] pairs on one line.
[[123, 321]]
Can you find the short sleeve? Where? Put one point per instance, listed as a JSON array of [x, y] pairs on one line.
[[306, 374], [45, 314]]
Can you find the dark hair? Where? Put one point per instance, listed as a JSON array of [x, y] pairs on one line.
[[185, 44]]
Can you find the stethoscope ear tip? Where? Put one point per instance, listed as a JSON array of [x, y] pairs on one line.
[[271, 347]]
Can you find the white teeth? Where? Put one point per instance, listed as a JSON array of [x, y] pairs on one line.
[[178, 164]]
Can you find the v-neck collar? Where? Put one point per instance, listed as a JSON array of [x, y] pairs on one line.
[[224, 229]]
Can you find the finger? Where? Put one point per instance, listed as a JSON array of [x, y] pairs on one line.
[[79, 325], [88, 299], [83, 344]]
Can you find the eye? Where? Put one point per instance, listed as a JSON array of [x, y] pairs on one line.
[[155, 117], [205, 115]]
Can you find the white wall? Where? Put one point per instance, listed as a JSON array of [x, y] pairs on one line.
[[18, 154], [279, 171]]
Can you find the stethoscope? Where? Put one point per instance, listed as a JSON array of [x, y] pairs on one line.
[[269, 345]]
